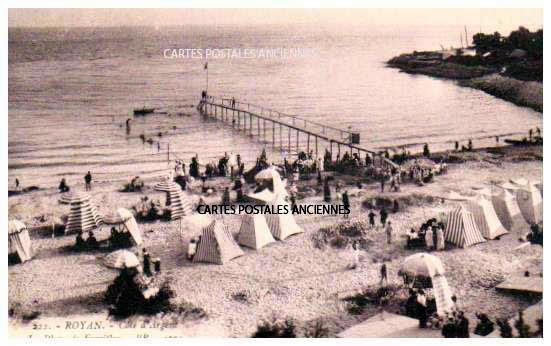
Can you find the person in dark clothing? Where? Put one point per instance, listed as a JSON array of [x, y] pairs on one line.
[[383, 183], [371, 217], [396, 206], [384, 276], [463, 326], [92, 242], [326, 192], [63, 187], [345, 202], [449, 329], [80, 244], [411, 304], [16, 183], [88, 181], [146, 262], [384, 216]]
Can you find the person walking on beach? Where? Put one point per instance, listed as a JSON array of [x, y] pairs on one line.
[[439, 239], [88, 181], [371, 217], [146, 262], [383, 183], [388, 231], [233, 102], [356, 249], [16, 183]]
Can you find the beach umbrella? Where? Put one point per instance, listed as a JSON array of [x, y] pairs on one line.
[[66, 197], [15, 226], [422, 264], [83, 215], [232, 161], [421, 162], [126, 222], [121, 259]]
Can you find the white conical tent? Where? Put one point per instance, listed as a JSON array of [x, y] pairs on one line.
[[254, 232], [179, 204], [18, 240], [282, 225], [121, 259], [461, 228], [217, 245], [508, 212], [83, 215], [124, 218], [530, 203], [485, 217]]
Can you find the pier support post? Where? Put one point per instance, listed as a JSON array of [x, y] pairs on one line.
[[316, 138], [273, 135], [298, 132], [289, 140], [251, 123], [308, 143]]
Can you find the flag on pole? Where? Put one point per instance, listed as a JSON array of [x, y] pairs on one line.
[[206, 65]]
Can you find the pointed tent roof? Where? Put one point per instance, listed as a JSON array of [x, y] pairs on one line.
[[66, 197], [508, 211], [217, 245], [82, 215], [530, 203], [121, 259], [461, 228], [18, 240], [485, 217], [254, 232], [282, 225], [179, 204], [264, 196]]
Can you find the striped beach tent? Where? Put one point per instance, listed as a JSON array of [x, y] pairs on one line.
[[66, 197], [19, 241], [83, 215], [254, 232], [508, 212], [485, 217], [126, 222], [178, 205], [217, 245], [282, 225], [461, 228], [530, 203]]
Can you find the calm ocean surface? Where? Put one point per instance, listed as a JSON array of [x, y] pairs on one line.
[[70, 92]]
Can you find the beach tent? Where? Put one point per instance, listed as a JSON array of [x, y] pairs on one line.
[[83, 215], [127, 223], [272, 176], [508, 212], [530, 203], [178, 205], [66, 197], [461, 228], [282, 225], [217, 245], [485, 217], [121, 259], [164, 185], [254, 232], [19, 241]]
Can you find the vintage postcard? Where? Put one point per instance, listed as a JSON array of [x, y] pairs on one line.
[[265, 173]]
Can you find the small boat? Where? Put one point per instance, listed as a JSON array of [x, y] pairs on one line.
[[143, 111]]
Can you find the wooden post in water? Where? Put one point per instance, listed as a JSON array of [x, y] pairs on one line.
[[264, 129], [258, 126], [273, 135], [297, 141], [168, 153], [280, 140], [289, 140], [251, 123], [308, 143], [316, 137]]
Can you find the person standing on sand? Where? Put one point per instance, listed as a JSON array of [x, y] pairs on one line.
[[88, 181], [439, 239], [16, 183], [326, 192], [384, 216], [388, 231], [371, 217], [429, 241], [383, 183], [146, 262], [356, 249], [345, 203], [384, 276]]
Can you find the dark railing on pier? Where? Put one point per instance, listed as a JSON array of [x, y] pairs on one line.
[[243, 116]]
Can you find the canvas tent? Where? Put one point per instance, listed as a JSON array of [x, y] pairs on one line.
[[217, 245], [282, 225], [485, 217], [461, 228], [121, 259], [127, 223], [254, 232], [508, 212], [83, 215], [178, 205], [265, 196], [530, 203], [19, 241]]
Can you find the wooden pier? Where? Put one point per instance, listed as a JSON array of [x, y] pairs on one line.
[[281, 129]]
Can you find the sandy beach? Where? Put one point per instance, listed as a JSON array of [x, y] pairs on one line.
[[291, 278]]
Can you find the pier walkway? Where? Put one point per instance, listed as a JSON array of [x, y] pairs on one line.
[[283, 130]]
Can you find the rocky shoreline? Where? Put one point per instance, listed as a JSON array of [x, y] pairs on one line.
[[488, 79]]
